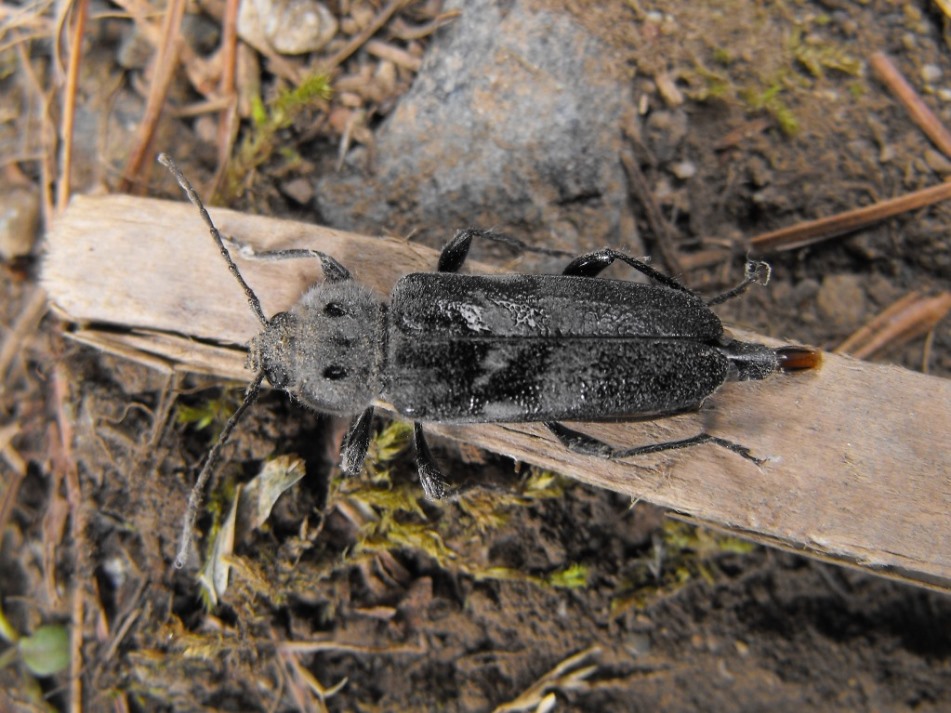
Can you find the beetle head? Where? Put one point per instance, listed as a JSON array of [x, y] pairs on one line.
[[327, 350]]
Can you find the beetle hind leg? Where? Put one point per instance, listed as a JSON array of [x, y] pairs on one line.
[[431, 478], [578, 442], [757, 273], [592, 264]]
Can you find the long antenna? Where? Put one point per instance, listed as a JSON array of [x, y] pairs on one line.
[[192, 194], [254, 388], [214, 456]]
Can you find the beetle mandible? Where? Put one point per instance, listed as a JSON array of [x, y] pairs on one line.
[[458, 349]]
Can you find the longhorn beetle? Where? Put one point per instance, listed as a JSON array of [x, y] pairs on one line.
[[453, 348]]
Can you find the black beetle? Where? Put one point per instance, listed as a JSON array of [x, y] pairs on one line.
[[453, 348]]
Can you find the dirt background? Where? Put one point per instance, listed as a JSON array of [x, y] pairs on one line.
[[744, 117]]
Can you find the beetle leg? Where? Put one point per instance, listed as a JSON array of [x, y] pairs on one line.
[[355, 444], [454, 254], [578, 442], [333, 270], [433, 481], [592, 264]]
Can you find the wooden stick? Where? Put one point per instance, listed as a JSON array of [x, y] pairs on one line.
[[857, 472]]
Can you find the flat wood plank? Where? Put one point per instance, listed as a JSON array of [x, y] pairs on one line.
[[859, 469]]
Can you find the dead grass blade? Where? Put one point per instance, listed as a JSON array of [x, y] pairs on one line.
[[570, 673], [165, 63], [69, 102]]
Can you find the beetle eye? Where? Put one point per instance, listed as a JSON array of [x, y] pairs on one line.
[[333, 309], [277, 377], [335, 373]]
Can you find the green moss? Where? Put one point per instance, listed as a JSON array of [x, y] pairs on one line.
[[771, 101], [267, 121], [395, 519], [572, 577], [681, 555], [818, 56], [215, 411]]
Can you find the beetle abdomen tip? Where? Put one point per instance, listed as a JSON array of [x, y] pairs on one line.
[[798, 358]]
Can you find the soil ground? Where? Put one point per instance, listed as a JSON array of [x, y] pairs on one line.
[[465, 606]]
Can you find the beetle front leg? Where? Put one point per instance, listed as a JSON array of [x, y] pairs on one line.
[[355, 444], [433, 481], [333, 270], [454, 254], [578, 442]]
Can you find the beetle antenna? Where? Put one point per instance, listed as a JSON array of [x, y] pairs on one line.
[[193, 196], [214, 457]]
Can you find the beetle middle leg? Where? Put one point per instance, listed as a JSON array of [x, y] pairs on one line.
[[584, 444], [454, 254]]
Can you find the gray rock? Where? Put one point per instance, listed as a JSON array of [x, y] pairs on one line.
[[513, 123]]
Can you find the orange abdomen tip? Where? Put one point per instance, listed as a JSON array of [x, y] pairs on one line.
[[798, 358]]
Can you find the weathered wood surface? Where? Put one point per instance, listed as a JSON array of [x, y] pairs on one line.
[[859, 470]]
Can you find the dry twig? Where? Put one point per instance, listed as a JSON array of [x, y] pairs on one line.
[[660, 228], [909, 317], [360, 39], [919, 111], [814, 231]]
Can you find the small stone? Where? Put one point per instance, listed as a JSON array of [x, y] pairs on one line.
[[842, 301], [665, 131], [135, 50], [19, 219], [930, 73], [684, 170], [671, 95], [298, 189], [286, 26]]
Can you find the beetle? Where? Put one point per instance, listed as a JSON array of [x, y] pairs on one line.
[[457, 348]]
